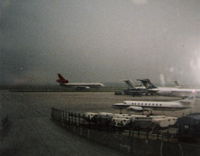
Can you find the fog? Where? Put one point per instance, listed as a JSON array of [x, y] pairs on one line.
[[99, 40]]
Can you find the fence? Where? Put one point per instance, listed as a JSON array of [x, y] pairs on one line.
[[127, 140]]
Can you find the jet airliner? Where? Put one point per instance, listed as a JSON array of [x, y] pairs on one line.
[[78, 85], [169, 91], [156, 105]]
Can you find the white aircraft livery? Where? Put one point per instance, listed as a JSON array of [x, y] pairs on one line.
[[156, 105], [169, 91], [64, 82]]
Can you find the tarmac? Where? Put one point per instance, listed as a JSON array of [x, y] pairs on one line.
[[30, 132]]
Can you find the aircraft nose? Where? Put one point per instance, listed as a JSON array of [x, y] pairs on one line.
[[118, 104]]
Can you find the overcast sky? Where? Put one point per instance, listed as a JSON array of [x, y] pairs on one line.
[[99, 40]]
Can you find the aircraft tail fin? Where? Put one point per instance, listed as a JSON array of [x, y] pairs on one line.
[[176, 83], [147, 83], [61, 79], [129, 84]]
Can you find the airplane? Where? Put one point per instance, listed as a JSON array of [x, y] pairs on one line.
[[156, 105], [135, 90], [64, 82], [131, 86], [168, 91]]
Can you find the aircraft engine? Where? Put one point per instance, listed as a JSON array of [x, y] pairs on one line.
[[135, 108]]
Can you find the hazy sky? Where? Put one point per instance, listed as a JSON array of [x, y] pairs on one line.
[[99, 40]]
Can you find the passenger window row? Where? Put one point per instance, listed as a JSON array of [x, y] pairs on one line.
[[147, 104]]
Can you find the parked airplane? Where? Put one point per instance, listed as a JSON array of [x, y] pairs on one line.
[[156, 105], [169, 91], [134, 90], [64, 82], [131, 86]]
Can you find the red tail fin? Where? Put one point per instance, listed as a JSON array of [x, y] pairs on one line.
[[61, 79]]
